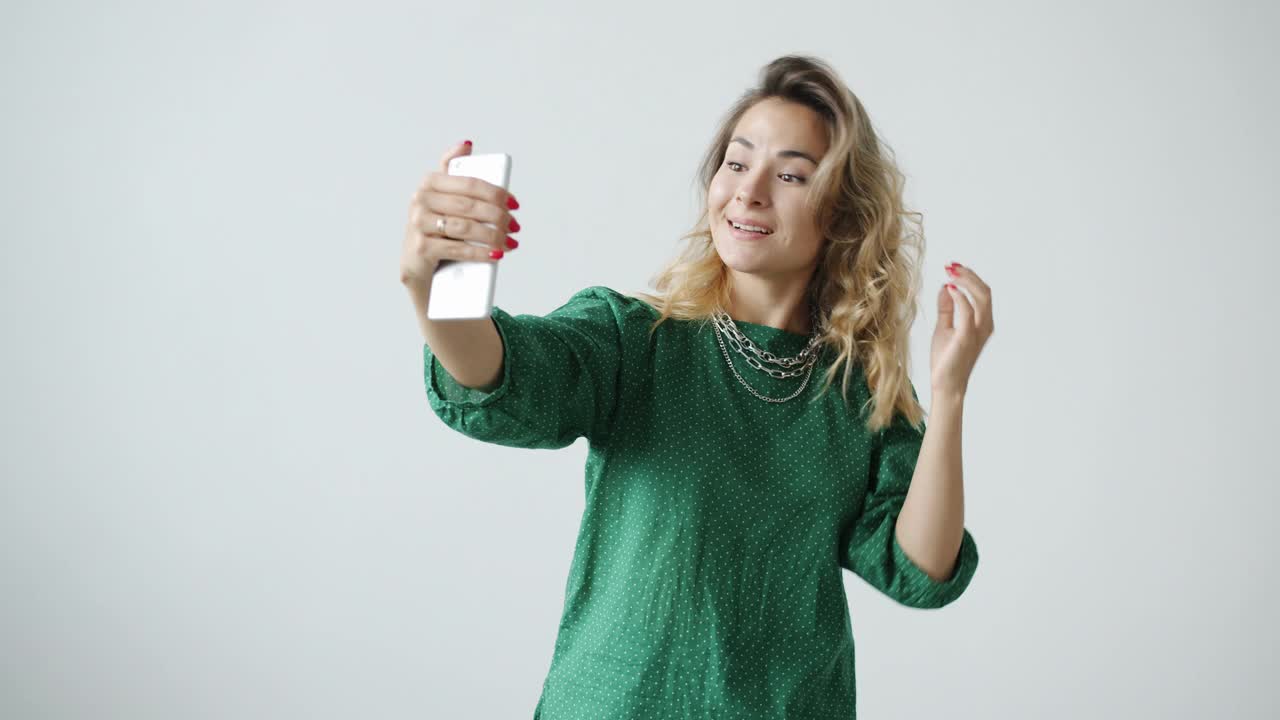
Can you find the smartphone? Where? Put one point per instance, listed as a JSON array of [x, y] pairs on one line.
[[463, 289]]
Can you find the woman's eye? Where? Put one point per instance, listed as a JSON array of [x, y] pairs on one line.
[[798, 179]]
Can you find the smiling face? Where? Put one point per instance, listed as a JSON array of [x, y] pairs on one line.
[[764, 181]]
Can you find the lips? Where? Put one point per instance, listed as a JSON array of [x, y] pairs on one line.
[[747, 236], [753, 223]]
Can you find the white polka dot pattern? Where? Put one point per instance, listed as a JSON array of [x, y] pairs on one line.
[[706, 579]]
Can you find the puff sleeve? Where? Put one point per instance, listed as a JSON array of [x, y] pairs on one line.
[[870, 547], [560, 377]]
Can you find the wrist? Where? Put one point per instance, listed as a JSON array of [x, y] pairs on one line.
[[946, 396]]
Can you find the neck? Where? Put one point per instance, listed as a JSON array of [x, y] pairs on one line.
[[776, 303]]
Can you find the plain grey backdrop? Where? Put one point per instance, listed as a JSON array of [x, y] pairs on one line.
[[225, 494]]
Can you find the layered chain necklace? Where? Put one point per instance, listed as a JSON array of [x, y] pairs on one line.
[[727, 331]]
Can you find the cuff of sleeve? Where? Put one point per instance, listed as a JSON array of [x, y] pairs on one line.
[[444, 391], [936, 593]]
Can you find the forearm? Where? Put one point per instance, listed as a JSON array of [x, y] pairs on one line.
[[469, 350], [930, 526]]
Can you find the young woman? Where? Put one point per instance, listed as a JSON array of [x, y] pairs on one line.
[[725, 490]]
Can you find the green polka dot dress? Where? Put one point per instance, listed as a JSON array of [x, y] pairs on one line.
[[706, 580]]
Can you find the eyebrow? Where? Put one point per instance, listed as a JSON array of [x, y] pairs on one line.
[[781, 153]]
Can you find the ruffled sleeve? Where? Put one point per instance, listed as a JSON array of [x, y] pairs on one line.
[[560, 377], [870, 548]]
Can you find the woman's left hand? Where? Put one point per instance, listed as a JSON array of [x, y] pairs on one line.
[[962, 331]]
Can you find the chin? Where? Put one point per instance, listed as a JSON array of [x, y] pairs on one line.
[[736, 259]]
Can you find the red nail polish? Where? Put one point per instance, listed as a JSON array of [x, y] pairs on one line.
[[511, 243], [511, 202], [951, 270], [495, 254], [466, 142], [953, 287], [514, 226]]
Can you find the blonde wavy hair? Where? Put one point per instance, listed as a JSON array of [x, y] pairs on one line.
[[867, 277]]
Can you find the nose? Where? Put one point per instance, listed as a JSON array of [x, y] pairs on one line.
[[749, 192]]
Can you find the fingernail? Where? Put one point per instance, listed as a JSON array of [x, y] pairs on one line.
[[514, 226], [466, 142], [951, 270], [511, 243], [495, 254], [511, 202], [953, 287]]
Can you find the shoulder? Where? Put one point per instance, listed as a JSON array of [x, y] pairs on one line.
[[614, 297], [627, 309]]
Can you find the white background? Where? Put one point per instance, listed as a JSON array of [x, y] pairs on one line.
[[225, 496]]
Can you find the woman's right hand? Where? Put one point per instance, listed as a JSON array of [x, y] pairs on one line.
[[465, 203]]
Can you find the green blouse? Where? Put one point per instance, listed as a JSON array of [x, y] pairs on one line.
[[706, 580]]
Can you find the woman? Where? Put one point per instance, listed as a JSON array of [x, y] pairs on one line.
[[725, 491]]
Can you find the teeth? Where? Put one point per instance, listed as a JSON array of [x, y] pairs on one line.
[[751, 228]]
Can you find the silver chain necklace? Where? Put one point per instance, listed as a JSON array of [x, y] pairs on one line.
[[727, 329]]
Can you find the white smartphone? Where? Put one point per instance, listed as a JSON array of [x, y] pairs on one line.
[[463, 290]]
